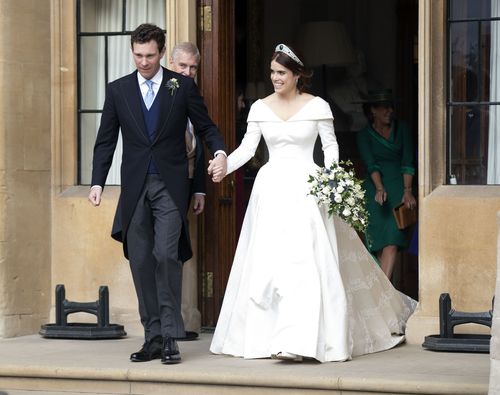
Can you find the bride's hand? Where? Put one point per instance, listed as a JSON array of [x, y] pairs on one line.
[[217, 168]]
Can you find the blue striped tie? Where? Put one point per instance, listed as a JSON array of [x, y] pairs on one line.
[[150, 94]]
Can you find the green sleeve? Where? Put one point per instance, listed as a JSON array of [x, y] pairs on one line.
[[365, 151]]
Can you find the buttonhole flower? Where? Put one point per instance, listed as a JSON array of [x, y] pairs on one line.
[[172, 85]]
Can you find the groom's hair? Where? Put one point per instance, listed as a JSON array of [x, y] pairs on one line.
[[145, 33]]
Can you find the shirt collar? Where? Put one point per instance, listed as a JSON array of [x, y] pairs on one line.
[[157, 78]]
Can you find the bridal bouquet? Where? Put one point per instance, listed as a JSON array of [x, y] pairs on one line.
[[339, 189]]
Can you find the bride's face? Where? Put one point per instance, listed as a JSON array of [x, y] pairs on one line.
[[284, 81]]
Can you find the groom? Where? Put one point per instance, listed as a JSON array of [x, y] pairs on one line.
[[151, 107]]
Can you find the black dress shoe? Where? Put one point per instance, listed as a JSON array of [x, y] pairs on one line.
[[150, 350], [170, 353], [188, 337]]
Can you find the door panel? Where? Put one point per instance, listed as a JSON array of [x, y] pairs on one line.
[[217, 240]]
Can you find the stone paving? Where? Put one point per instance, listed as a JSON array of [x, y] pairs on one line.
[[34, 365]]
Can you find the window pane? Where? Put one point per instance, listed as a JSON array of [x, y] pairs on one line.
[[494, 96], [474, 65], [485, 59], [89, 123], [467, 9], [151, 11], [95, 65], [101, 15], [464, 61], [120, 61], [92, 84], [89, 127], [468, 143]]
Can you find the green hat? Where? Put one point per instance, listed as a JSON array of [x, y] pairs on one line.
[[378, 96]]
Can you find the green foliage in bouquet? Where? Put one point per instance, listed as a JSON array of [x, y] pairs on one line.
[[338, 189]]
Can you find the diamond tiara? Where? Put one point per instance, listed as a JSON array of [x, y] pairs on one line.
[[283, 48]]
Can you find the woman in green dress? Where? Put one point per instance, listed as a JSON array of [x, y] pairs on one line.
[[386, 148]]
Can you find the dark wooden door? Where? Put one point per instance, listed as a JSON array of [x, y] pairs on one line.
[[217, 233]]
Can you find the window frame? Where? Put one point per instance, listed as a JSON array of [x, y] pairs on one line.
[[79, 110], [450, 103]]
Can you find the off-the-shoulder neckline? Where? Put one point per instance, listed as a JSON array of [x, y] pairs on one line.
[[294, 115]]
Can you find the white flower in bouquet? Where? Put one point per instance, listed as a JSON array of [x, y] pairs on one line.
[[340, 190]]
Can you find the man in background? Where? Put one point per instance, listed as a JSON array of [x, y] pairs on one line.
[[185, 60]]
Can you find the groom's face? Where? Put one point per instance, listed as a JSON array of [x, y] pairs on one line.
[[147, 58]]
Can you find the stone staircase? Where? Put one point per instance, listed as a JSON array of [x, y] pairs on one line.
[[32, 365]]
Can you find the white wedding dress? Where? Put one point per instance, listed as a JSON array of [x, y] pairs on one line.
[[301, 282]]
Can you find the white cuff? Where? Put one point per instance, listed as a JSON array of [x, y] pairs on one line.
[[220, 152]]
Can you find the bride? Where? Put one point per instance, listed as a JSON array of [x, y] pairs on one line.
[[302, 283]]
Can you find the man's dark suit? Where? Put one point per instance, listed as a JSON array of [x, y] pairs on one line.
[[123, 110], [199, 175]]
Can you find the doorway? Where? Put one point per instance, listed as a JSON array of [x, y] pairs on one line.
[[352, 47]]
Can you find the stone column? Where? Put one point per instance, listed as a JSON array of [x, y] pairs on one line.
[[495, 329], [25, 146], [181, 26]]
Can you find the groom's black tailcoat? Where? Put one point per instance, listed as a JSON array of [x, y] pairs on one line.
[[122, 110]]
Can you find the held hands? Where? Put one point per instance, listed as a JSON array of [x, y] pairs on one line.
[[95, 195], [218, 168]]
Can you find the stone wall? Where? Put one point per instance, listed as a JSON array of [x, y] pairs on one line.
[[84, 256], [25, 163], [457, 223], [50, 234], [458, 255]]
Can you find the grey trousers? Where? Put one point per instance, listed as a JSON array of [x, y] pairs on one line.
[[153, 240]]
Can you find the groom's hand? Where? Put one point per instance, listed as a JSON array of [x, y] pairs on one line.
[[95, 195], [218, 167]]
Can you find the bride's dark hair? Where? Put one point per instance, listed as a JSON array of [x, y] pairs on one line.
[[296, 68]]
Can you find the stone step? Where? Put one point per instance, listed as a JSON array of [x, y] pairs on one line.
[[48, 366], [35, 392]]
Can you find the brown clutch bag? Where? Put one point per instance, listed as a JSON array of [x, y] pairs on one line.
[[404, 216]]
